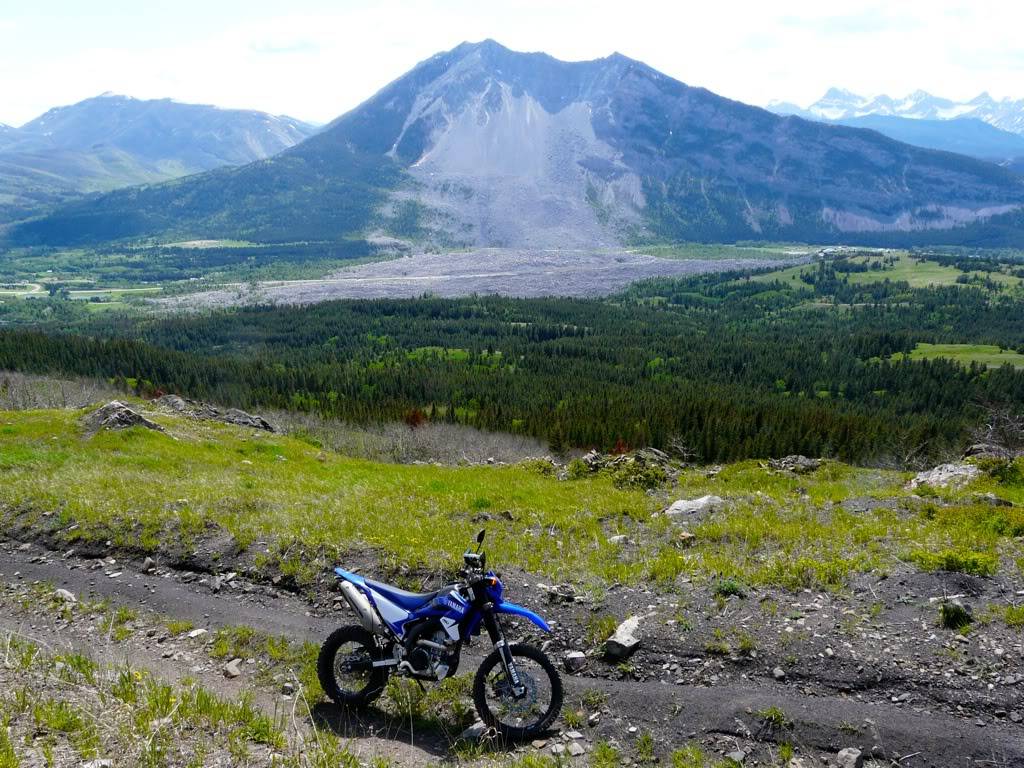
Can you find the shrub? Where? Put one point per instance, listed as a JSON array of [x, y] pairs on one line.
[[1014, 616], [956, 560], [774, 719], [729, 588], [577, 469], [1004, 471], [954, 615], [637, 475]]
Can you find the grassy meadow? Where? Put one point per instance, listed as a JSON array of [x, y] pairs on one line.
[[150, 490], [989, 355]]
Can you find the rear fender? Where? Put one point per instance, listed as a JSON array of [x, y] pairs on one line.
[[355, 578]]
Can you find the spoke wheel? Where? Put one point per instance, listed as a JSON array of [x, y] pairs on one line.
[[517, 718], [345, 667]]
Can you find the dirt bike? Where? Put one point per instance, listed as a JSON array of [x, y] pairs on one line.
[[516, 690]]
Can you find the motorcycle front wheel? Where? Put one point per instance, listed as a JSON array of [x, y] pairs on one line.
[[525, 717]]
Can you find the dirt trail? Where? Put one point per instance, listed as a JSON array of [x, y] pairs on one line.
[[675, 714]]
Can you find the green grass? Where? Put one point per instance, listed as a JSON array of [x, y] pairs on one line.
[[1013, 615], [715, 251], [143, 488], [917, 274], [985, 354], [906, 269], [443, 353], [138, 485]]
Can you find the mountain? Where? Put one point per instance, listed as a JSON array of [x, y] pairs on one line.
[[964, 135], [166, 134], [8, 134], [114, 141], [483, 145], [837, 104]]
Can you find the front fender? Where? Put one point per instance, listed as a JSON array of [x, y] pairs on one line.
[[518, 610]]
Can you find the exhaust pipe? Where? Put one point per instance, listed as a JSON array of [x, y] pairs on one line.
[[368, 617]]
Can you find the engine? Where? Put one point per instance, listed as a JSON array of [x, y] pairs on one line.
[[430, 653]]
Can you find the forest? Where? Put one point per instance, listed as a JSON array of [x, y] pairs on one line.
[[721, 367]]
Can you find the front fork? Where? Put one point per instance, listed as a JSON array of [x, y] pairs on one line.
[[501, 645]]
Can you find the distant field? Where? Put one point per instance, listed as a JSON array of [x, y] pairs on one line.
[[986, 354], [711, 251], [916, 273]]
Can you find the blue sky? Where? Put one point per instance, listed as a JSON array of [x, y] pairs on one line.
[[315, 59]]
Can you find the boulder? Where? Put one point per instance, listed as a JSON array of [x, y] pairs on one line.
[[116, 415], [65, 595], [705, 505], [196, 410], [624, 641], [559, 593], [851, 757], [795, 463], [991, 499], [987, 451], [233, 668], [946, 476]]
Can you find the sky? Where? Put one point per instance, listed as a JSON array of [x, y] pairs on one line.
[[315, 59]]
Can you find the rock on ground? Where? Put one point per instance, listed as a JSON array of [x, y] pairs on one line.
[[233, 668], [796, 463], [197, 410], [117, 415], [574, 661], [987, 451], [624, 641], [703, 506], [946, 476], [850, 757]]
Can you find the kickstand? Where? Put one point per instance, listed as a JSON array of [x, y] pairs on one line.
[[420, 684]]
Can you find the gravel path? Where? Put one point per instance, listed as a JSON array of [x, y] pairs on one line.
[[723, 716]]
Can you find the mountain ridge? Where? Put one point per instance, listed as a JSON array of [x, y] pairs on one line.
[[593, 152], [839, 104], [111, 141]]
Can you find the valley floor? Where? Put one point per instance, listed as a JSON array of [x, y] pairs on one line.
[[507, 272]]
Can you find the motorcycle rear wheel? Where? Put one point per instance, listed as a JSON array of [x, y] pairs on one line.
[[345, 667]]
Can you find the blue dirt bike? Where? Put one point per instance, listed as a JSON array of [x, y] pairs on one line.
[[517, 690]]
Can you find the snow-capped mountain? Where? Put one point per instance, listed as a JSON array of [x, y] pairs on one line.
[[838, 104]]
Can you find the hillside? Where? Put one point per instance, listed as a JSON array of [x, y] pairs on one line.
[[586, 153], [795, 607], [111, 141], [965, 136]]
